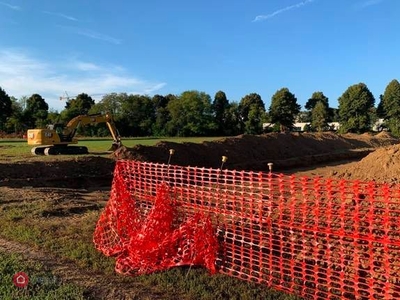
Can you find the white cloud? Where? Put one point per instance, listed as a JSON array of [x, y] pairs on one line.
[[60, 15], [23, 75], [86, 66], [91, 34], [282, 10], [14, 7], [369, 3]]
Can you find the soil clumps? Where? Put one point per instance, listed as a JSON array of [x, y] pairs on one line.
[[382, 165]]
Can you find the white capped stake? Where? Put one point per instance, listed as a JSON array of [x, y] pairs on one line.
[[224, 159], [171, 152]]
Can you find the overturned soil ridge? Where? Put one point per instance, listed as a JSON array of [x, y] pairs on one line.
[[383, 165], [77, 172], [251, 152]]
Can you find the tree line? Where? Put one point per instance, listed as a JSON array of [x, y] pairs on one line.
[[195, 113]]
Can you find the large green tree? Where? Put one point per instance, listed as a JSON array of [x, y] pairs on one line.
[[53, 116], [110, 103], [80, 105], [162, 115], [315, 98], [36, 111], [232, 125], [220, 108], [380, 111], [5, 108], [137, 116], [320, 116], [191, 114], [355, 109], [252, 113], [391, 106], [15, 122], [284, 109]]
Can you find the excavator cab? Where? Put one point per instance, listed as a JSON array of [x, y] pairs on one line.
[[59, 129]]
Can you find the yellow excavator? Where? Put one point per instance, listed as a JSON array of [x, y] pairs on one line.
[[57, 138]]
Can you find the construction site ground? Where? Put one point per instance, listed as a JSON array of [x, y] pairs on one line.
[[70, 190]]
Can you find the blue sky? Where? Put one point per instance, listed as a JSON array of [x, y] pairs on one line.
[[161, 47]]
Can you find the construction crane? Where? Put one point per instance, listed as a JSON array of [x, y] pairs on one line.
[[67, 97]]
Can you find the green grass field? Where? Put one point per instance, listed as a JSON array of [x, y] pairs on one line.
[[17, 148], [23, 218]]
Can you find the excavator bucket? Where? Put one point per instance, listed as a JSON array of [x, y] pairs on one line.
[[115, 146]]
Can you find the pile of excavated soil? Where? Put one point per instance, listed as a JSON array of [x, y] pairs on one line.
[[75, 172], [383, 165], [248, 152], [59, 168], [245, 152]]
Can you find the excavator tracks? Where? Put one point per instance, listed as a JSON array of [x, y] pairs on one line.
[[59, 150]]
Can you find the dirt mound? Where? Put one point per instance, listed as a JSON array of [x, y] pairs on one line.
[[77, 166], [75, 172], [383, 165], [248, 152]]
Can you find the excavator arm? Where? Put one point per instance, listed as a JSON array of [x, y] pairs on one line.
[[115, 134], [82, 120]]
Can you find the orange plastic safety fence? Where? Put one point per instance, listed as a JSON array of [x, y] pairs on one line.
[[152, 236], [314, 237]]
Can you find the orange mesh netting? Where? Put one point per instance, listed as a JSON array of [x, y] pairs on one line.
[[319, 238], [153, 241]]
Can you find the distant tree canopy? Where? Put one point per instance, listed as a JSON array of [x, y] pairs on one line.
[[110, 103], [252, 114], [355, 106], [194, 113], [284, 109], [137, 116], [390, 102], [191, 114], [80, 105], [232, 126], [36, 111], [5, 108], [162, 114], [315, 98], [380, 112], [220, 107], [320, 116]]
